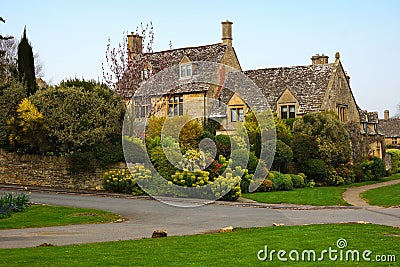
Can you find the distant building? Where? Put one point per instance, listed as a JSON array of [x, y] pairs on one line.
[[390, 128]]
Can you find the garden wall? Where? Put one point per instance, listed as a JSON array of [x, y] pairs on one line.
[[46, 171]]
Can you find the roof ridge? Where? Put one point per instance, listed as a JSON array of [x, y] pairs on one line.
[[289, 67], [187, 48]]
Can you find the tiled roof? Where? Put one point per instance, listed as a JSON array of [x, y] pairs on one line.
[[171, 59], [390, 127], [213, 53], [370, 117], [307, 83]]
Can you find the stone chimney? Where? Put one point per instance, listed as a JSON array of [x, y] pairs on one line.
[[319, 59], [135, 45], [227, 32], [386, 115]]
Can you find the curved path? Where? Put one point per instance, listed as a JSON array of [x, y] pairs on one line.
[[352, 195], [145, 215]]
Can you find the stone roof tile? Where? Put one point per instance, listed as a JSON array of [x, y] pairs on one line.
[[307, 83]]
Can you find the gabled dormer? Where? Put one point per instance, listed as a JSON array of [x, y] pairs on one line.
[[287, 105], [185, 68]]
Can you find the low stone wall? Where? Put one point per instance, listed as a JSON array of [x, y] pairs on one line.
[[47, 171]]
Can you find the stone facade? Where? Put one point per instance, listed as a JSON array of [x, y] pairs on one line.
[[46, 171]]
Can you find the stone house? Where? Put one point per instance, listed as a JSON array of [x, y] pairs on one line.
[[372, 134], [390, 128], [290, 92], [188, 97]]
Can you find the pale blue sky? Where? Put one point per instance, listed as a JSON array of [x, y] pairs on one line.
[[71, 36]]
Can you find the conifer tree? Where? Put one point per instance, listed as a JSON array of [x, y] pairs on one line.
[[26, 64]]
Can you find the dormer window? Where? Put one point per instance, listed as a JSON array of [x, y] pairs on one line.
[[147, 73], [185, 71]]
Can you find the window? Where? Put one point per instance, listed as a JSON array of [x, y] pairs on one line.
[[147, 73], [142, 107], [237, 114], [185, 71], [365, 126], [175, 106], [342, 113], [394, 141], [288, 112]]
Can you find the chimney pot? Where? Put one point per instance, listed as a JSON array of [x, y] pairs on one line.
[[135, 45], [227, 32], [319, 59], [386, 114]]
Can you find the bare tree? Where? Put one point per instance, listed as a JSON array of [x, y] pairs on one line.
[[124, 69]]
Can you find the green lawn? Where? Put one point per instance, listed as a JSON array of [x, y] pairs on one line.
[[384, 196], [41, 216], [238, 248], [317, 196]]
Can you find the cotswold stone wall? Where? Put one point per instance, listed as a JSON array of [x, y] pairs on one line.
[[47, 171]]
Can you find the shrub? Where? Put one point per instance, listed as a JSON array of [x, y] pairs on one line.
[[297, 180], [124, 181], [216, 168], [315, 169], [267, 184], [281, 182], [283, 154], [223, 144], [377, 168], [359, 175], [245, 182], [221, 185], [190, 178], [395, 154], [11, 202]]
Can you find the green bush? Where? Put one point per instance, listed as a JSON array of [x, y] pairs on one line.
[[281, 182], [315, 169], [267, 184], [340, 175], [245, 182], [377, 168], [395, 154], [187, 178], [124, 181], [359, 175], [223, 144], [297, 180], [11, 202]]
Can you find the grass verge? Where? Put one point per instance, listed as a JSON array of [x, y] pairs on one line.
[[238, 248], [386, 196], [42, 216], [317, 196]]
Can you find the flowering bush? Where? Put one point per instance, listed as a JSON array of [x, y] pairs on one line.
[[297, 180], [124, 181], [11, 202]]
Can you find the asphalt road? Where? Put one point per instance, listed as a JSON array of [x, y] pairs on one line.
[[144, 216]]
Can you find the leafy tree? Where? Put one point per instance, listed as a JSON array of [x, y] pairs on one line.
[[11, 95], [80, 118], [304, 147], [28, 128], [26, 64], [283, 154], [315, 169], [329, 133]]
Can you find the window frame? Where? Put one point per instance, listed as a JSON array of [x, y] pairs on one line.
[[141, 107], [175, 106], [286, 112], [237, 114], [185, 71]]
